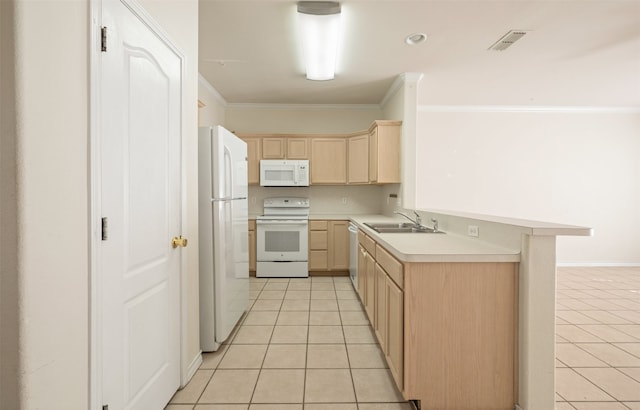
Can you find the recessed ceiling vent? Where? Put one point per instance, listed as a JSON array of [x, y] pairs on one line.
[[507, 40]]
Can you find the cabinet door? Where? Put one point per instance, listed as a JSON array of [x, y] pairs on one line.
[[388, 154], [373, 155], [297, 148], [381, 307], [273, 148], [395, 331], [252, 251], [328, 161], [362, 279], [370, 288], [318, 240], [254, 155], [339, 245], [359, 159]]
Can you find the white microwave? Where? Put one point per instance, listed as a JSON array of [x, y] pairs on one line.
[[284, 172]]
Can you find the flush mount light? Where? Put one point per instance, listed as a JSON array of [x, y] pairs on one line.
[[320, 25], [415, 38]]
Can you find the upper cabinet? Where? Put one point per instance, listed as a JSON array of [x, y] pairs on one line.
[[254, 154], [297, 148], [328, 161], [273, 148], [359, 159], [384, 152], [366, 157]]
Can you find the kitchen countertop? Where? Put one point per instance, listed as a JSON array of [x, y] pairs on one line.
[[425, 247]]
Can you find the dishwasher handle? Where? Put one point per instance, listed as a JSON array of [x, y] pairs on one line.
[[353, 228]]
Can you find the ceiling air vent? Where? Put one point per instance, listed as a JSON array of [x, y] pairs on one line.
[[507, 40]]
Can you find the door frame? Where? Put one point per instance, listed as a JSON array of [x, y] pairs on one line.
[[95, 188]]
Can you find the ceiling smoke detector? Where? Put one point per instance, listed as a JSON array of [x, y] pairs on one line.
[[415, 38], [507, 40]]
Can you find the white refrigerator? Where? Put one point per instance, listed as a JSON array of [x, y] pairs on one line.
[[224, 234]]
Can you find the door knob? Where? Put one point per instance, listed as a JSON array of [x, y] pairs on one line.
[[179, 241]]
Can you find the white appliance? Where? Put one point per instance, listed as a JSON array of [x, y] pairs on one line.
[[224, 241], [282, 238], [284, 172], [353, 254]]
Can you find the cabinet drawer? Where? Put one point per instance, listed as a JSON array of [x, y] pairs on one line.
[[252, 224], [368, 243], [391, 265], [318, 225], [318, 240], [318, 260]]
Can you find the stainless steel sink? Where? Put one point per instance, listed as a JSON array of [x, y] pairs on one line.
[[402, 227]]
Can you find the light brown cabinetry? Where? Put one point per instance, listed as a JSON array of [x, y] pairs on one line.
[[366, 157], [252, 246], [328, 161], [380, 318], [448, 330], [297, 148], [318, 245], [328, 245], [395, 331], [359, 159], [285, 148], [273, 148], [384, 152], [254, 154], [339, 245]]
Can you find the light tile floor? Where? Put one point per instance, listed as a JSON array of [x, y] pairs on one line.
[[598, 339], [305, 344]]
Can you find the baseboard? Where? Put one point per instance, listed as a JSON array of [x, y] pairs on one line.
[[597, 264], [193, 368]]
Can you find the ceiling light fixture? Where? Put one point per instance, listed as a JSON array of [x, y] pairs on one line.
[[320, 24]]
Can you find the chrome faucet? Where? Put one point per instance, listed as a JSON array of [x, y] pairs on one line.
[[435, 224], [417, 222]]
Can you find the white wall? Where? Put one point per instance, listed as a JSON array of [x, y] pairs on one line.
[[213, 111], [578, 168], [51, 259], [300, 119], [52, 199]]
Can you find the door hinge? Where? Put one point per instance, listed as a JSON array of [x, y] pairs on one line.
[[103, 39], [105, 226]]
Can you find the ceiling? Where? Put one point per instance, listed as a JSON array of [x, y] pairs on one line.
[[576, 52]]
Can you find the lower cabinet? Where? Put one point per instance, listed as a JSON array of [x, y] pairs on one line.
[[328, 246], [383, 302], [448, 330], [380, 317], [394, 325]]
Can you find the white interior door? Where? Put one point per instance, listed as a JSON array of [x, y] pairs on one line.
[[141, 198]]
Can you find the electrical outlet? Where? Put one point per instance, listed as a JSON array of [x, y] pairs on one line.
[[345, 200], [473, 230]]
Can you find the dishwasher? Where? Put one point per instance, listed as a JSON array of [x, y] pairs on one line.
[[353, 254]]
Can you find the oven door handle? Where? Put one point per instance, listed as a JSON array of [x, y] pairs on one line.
[[282, 222]]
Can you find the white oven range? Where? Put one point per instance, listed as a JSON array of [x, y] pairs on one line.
[[282, 238]]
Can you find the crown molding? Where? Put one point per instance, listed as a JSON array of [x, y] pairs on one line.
[[400, 81], [273, 106], [203, 82], [528, 109]]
